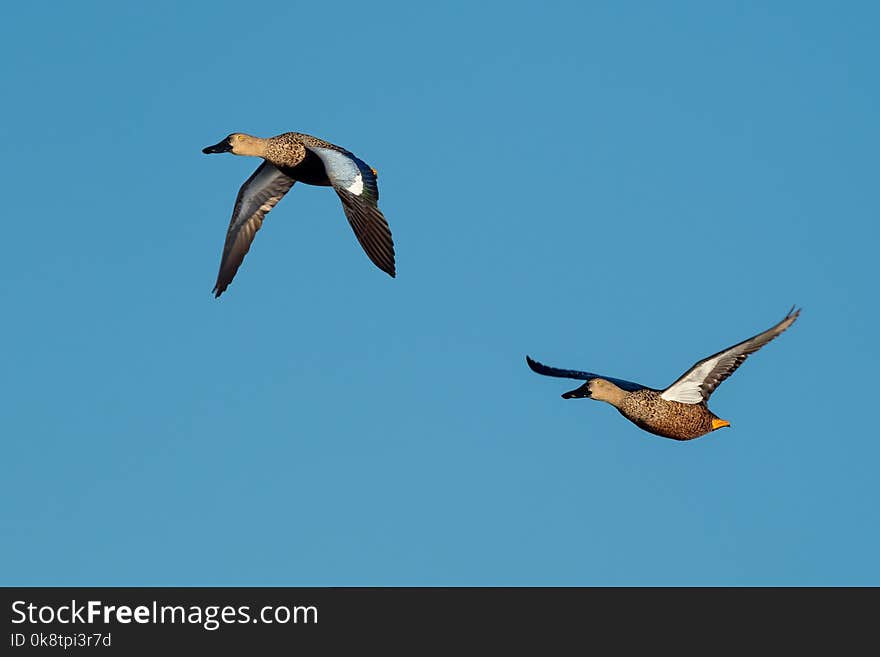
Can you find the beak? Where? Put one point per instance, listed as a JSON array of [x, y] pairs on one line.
[[223, 147], [580, 393], [718, 423]]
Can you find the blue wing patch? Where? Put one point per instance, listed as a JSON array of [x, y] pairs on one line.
[[349, 173]]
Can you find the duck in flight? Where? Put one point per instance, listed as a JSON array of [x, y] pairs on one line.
[[291, 157], [680, 411]]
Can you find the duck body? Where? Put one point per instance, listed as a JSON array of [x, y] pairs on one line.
[[646, 408], [670, 419], [297, 157], [290, 153], [310, 171]]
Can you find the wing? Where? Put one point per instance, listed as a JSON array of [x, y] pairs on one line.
[[259, 194], [540, 368], [697, 384], [355, 183]]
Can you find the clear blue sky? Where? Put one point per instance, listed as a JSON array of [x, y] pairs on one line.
[[620, 187]]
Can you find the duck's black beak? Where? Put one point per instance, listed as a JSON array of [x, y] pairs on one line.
[[223, 147], [579, 393]]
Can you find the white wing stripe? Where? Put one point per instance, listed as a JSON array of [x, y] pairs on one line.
[[687, 391], [357, 187]]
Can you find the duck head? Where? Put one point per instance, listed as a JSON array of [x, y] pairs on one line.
[[598, 389], [238, 143]]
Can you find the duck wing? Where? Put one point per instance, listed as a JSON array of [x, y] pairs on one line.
[[546, 370], [697, 384], [355, 183], [257, 196]]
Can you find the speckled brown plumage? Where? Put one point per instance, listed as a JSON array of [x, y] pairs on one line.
[[679, 411], [670, 419]]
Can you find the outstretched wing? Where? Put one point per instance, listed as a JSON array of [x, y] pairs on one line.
[[259, 194], [355, 183], [546, 370], [697, 384]]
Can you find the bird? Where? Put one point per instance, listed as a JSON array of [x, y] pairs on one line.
[[679, 411], [288, 158]]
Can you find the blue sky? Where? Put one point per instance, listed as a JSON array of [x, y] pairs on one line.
[[620, 187]]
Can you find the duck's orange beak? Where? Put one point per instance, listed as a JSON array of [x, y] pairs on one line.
[[717, 423]]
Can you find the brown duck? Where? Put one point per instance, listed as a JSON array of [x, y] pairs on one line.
[[291, 157], [679, 411]]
